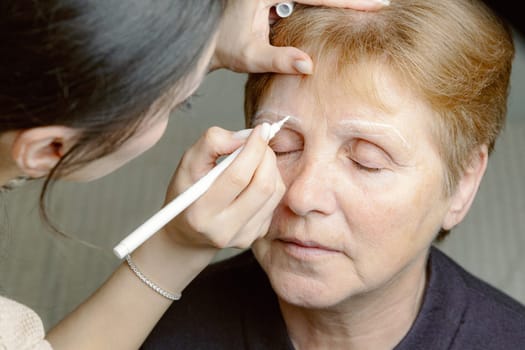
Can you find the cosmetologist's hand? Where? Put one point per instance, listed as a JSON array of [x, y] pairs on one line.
[[238, 208], [243, 44]]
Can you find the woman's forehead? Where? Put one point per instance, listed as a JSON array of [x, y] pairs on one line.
[[367, 90], [374, 104]]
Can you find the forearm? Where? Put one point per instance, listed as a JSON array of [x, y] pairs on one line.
[[233, 213], [122, 312]]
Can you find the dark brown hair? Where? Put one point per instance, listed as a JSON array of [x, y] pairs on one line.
[[96, 66]]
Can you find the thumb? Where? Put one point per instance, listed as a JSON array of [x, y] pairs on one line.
[[286, 60]]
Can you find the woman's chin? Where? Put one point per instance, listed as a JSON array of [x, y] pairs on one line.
[[311, 282], [305, 292]]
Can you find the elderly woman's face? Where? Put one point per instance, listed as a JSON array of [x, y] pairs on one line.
[[364, 196]]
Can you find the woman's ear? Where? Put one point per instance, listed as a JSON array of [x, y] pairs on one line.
[[467, 188], [37, 150]]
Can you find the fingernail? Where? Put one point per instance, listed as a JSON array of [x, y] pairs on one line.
[[264, 131], [384, 2], [242, 134], [303, 66]]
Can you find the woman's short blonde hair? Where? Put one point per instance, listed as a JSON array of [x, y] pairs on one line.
[[454, 54]]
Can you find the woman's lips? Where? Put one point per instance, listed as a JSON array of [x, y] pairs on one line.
[[305, 249]]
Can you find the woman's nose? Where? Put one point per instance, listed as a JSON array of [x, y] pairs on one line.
[[311, 188]]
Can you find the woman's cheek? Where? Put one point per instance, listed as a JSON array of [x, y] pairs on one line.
[[287, 164]]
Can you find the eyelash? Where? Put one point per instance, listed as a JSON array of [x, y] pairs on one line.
[[281, 154], [187, 104], [359, 166], [356, 164], [364, 168]]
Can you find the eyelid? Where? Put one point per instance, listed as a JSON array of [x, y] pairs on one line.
[[366, 168], [279, 148], [372, 153], [286, 141]]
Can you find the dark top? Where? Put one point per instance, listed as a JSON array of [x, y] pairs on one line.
[[231, 306]]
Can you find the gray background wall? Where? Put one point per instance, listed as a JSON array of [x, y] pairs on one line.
[[53, 276]]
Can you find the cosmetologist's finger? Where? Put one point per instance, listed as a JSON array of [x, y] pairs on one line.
[[238, 175], [202, 156], [256, 203], [286, 60]]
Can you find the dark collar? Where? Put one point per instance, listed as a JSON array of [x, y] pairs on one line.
[[444, 305]]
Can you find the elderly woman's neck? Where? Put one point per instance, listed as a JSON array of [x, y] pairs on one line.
[[378, 321]]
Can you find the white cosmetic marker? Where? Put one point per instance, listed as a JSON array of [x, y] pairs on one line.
[[284, 9], [185, 199]]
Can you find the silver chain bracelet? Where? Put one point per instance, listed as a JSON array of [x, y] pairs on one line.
[[149, 283]]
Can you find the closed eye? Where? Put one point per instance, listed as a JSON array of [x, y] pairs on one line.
[[366, 168], [286, 143], [367, 157], [285, 153]]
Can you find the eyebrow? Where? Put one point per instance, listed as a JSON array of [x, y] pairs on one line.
[[346, 127], [364, 127], [270, 116]]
